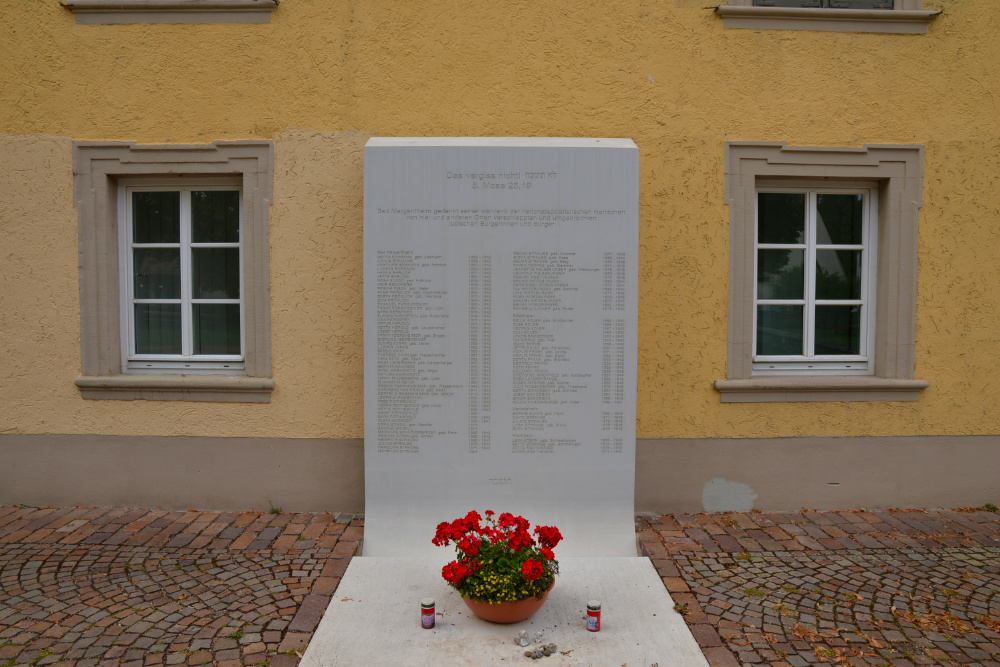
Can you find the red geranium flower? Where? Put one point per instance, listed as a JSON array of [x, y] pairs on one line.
[[453, 572], [468, 566], [443, 534], [548, 536], [532, 569], [519, 540], [549, 555], [469, 545]]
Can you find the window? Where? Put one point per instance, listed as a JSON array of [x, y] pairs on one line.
[[181, 273], [815, 254], [833, 4], [158, 11], [892, 16], [822, 282], [174, 278]]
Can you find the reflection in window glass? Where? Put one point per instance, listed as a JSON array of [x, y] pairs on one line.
[[838, 219], [215, 273], [185, 266], [779, 330], [158, 328], [811, 280], [216, 328], [156, 217], [781, 217], [780, 274], [838, 274], [838, 330], [215, 216]]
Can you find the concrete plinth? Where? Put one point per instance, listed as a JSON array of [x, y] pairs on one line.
[[374, 619]]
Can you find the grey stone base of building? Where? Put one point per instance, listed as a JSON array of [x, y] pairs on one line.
[[230, 474], [788, 474], [673, 475]]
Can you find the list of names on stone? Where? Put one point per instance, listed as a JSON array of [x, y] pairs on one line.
[[614, 280], [613, 344], [411, 322], [542, 393], [613, 360], [480, 326]]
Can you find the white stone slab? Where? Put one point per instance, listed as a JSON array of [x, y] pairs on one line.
[[501, 292], [374, 619]]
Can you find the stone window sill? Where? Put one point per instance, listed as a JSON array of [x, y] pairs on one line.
[[171, 11], [909, 21], [217, 388], [793, 388]]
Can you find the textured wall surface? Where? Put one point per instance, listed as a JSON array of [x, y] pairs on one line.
[[324, 75]]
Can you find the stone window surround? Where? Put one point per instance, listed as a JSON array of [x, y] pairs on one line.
[[97, 166], [171, 11], [898, 172], [906, 17]]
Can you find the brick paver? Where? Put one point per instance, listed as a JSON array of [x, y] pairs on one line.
[[87, 587], [97, 587], [896, 588]]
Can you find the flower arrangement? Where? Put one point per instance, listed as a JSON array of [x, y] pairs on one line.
[[497, 558]]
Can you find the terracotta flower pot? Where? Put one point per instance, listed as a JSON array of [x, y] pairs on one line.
[[508, 612]]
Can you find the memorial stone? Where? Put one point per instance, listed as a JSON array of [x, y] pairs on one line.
[[500, 280]]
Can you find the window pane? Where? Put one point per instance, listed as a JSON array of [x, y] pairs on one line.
[[779, 330], [833, 4], [158, 328], [781, 217], [156, 217], [157, 273], [838, 274], [787, 3], [780, 274], [216, 328], [215, 273], [838, 330], [215, 216], [839, 219], [860, 4]]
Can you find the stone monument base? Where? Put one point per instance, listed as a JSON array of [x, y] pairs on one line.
[[374, 619]]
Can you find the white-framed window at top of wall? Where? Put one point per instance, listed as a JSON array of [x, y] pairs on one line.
[[181, 276], [815, 268], [879, 16]]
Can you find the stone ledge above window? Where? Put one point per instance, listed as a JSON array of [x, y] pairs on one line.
[[220, 389], [900, 21], [788, 389], [171, 11]]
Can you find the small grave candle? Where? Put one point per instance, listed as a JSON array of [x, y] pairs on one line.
[[594, 616], [427, 613]]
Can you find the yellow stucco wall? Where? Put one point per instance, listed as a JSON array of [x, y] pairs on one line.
[[324, 75]]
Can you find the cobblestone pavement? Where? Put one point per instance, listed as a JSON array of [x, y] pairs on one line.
[[105, 587], [895, 588], [88, 587]]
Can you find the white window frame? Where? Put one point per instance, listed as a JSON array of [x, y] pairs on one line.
[[132, 362], [905, 17], [812, 364]]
